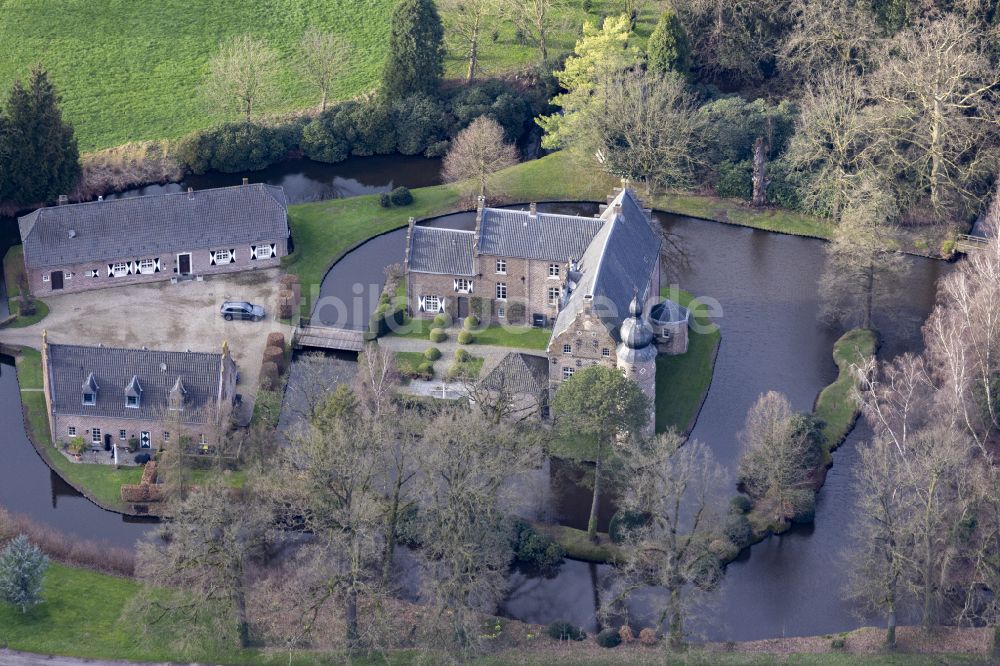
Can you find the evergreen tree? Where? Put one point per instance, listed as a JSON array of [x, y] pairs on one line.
[[416, 51], [40, 152], [22, 568], [668, 45]]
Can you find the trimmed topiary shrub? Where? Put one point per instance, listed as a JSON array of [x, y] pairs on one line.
[[432, 354], [470, 322], [401, 196], [740, 504], [648, 637], [442, 320], [561, 630], [609, 638], [438, 335], [462, 355], [425, 370], [466, 338]]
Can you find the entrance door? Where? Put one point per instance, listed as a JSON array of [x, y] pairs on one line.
[[107, 442], [184, 264], [57, 280], [463, 307]]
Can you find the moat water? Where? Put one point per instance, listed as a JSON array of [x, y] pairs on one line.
[[771, 340]]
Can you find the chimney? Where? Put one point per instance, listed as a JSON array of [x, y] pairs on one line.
[[100, 197], [532, 210], [588, 303], [246, 181], [63, 199], [190, 193]]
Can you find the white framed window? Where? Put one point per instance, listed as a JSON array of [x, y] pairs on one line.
[[262, 251], [432, 304], [502, 266], [71, 431], [132, 401], [567, 349], [553, 270], [166, 436], [502, 312], [122, 435], [463, 285], [554, 295], [606, 353], [95, 435], [568, 371], [501, 291], [147, 266], [45, 277], [224, 256], [119, 269], [90, 398]]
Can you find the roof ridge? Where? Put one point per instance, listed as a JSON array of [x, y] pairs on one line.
[[250, 186], [132, 349]]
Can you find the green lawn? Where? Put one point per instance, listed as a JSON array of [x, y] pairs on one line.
[[466, 369], [132, 71], [101, 482], [682, 381], [407, 362], [836, 405]]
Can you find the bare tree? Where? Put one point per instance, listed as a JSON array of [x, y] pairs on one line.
[[828, 34], [201, 561], [644, 129], [675, 486], [779, 455], [466, 493], [377, 379], [323, 56], [466, 20], [534, 19], [478, 152], [938, 93], [242, 75], [862, 265]]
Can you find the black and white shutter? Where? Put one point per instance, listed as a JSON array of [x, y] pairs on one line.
[[211, 257]]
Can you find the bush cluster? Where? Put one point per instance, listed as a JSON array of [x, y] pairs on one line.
[[385, 319], [534, 549], [561, 630], [609, 638], [461, 355], [234, 147]]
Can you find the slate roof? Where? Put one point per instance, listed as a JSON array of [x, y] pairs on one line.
[[516, 233], [143, 227], [518, 373], [442, 251], [616, 267], [113, 370]]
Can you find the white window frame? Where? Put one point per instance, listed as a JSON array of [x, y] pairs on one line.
[[463, 285], [166, 436], [147, 266], [502, 312], [606, 352], [568, 371], [567, 349], [554, 271], [95, 436], [122, 434], [92, 401], [501, 291], [501, 267], [437, 302], [71, 431], [119, 269], [223, 257], [130, 404], [190, 262], [262, 252], [554, 299]]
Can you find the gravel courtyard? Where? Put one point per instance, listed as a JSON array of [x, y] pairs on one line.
[[171, 317]]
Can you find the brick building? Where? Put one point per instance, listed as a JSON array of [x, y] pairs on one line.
[[75, 247], [109, 395], [594, 281]]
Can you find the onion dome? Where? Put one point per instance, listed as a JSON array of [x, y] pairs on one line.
[[634, 332]]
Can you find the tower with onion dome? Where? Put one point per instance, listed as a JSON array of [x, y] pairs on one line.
[[636, 356]]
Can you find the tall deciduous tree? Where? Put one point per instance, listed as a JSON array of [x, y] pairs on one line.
[[242, 76], [467, 22], [644, 129], [862, 264], [415, 63], [38, 150], [674, 486], [323, 57], [599, 55], [668, 49], [937, 91], [478, 152], [22, 573], [602, 404], [534, 19], [827, 34]]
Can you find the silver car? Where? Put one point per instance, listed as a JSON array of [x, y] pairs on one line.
[[241, 310]]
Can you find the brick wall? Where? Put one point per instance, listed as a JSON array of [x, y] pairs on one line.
[[587, 338], [133, 427], [76, 279]]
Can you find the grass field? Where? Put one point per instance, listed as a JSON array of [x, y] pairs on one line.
[[836, 405], [131, 71]]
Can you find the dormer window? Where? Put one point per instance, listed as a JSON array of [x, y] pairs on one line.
[[90, 389], [133, 393], [176, 396]]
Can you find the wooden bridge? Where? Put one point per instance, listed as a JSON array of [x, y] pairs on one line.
[[317, 336], [966, 243]]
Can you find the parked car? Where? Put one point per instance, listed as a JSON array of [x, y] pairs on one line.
[[241, 310]]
